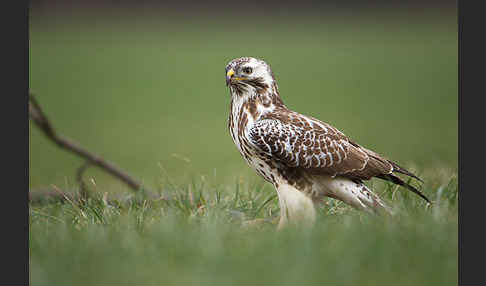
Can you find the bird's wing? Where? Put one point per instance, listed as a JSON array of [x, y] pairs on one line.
[[295, 140], [300, 141]]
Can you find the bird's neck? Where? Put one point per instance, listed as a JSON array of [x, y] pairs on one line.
[[256, 102]]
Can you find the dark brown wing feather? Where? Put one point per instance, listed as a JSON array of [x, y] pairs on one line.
[[396, 180]]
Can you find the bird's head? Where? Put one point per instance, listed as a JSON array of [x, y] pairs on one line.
[[247, 74]]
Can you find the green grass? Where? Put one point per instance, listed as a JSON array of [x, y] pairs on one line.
[[200, 236], [149, 94]]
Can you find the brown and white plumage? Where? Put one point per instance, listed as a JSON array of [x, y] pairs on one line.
[[303, 157]]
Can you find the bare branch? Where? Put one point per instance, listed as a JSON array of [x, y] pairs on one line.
[[41, 120]]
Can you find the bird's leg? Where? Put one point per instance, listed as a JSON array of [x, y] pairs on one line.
[[296, 208], [354, 194], [373, 201]]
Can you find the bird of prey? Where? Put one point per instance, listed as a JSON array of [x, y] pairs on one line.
[[304, 158]]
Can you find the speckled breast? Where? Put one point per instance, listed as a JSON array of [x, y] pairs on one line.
[[238, 125]]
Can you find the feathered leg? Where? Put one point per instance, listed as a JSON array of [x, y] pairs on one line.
[[354, 194], [296, 207]]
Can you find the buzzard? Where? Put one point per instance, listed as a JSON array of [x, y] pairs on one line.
[[304, 158]]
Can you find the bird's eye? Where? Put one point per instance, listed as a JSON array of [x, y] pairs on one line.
[[247, 70]]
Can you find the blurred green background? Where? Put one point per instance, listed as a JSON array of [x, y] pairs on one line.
[[146, 89], [142, 84]]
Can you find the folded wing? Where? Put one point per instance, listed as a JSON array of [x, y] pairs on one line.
[[298, 141]]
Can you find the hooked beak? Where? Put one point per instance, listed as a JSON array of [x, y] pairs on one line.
[[229, 76]]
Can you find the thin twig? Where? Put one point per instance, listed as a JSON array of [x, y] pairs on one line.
[[41, 120]]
